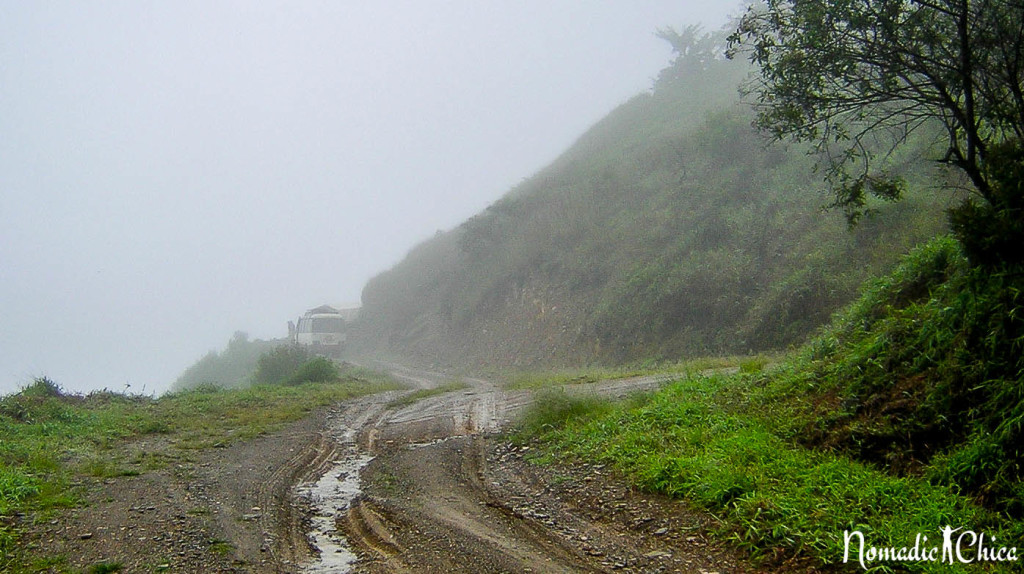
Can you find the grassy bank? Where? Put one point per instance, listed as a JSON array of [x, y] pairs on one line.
[[48, 438], [901, 418], [701, 439]]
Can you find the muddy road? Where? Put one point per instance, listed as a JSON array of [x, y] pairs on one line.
[[374, 485], [432, 487]]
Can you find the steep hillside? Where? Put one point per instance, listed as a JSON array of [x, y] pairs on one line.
[[669, 229]]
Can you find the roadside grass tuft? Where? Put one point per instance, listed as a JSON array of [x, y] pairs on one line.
[[542, 380], [315, 370], [420, 394], [221, 547], [554, 408]]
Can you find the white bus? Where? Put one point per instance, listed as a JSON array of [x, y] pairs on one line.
[[323, 330]]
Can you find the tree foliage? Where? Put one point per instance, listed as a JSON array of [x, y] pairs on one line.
[[694, 52], [857, 77]]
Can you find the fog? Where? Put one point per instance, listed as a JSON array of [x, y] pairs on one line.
[[171, 172]]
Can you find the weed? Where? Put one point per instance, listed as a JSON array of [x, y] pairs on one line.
[[278, 365], [706, 365], [754, 364], [541, 380], [220, 547], [106, 468], [553, 409], [15, 487], [390, 483]]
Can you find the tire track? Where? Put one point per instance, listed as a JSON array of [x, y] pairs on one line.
[[429, 504]]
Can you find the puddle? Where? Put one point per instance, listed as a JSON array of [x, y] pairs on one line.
[[330, 498]]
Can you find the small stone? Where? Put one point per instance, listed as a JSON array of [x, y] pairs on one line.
[[85, 535], [661, 532]]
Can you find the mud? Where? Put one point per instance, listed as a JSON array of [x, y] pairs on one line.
[[364, 486], [445, 493]]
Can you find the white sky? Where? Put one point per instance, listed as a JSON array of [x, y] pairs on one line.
[[171, 172]]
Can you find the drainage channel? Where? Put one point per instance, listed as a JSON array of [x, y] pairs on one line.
[[330, 498]]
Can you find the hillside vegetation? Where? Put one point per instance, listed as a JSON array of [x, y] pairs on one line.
[[669, 229], [904, 415]]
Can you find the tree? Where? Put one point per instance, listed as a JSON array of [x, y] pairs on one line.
[[694, 51], [857, 77]]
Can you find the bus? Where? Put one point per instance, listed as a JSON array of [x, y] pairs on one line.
[[323, 330]]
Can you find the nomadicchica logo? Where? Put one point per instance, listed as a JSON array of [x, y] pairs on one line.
[[958, 546]]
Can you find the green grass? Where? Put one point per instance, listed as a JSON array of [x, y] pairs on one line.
[[553, 408], [50, 440], [903, 415], [420, 394], [698, 440], [221, 547], [534, 380]]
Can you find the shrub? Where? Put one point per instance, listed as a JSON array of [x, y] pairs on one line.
[[42, 387], [315, 370], [278, 365]]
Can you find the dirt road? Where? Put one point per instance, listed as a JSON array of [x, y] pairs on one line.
[[443, 493], [370, 486]]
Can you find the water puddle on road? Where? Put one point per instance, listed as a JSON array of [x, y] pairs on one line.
[[330, 498]]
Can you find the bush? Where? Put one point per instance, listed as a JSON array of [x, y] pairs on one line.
[[315, 370], [231, 368], [42, 387], [277, 366], [293, 365]]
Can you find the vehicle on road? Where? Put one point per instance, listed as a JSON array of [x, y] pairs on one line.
[[323, 330]]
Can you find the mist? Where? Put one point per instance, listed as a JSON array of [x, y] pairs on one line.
[[172, 172]]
